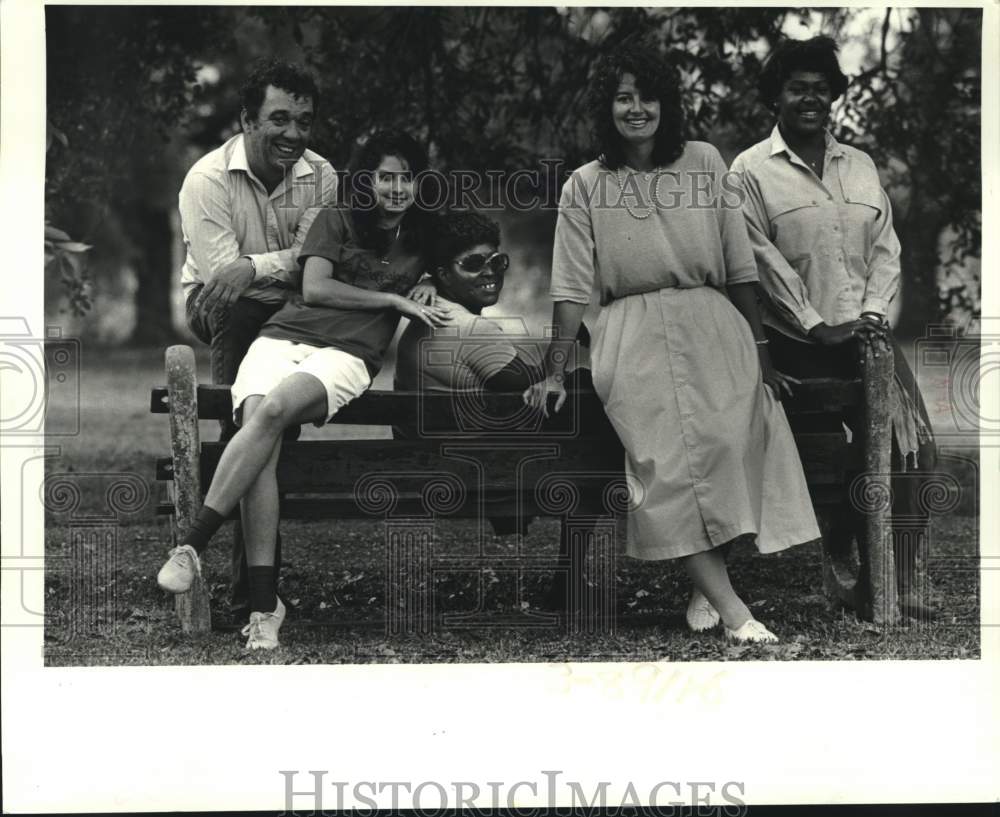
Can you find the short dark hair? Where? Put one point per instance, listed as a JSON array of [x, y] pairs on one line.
[[457, 231], [358, 190], [286, 76], [655, 77], [817, 55]]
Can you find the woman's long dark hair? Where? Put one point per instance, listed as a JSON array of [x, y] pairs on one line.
[[359, 190], [655, 78]]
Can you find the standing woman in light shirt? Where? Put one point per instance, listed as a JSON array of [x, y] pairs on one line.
[[678, 353], [828, 259]]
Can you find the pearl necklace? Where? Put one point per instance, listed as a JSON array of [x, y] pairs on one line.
[[628, 207]]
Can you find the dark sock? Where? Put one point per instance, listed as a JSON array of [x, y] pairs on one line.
[[263, 597], [205, 524]]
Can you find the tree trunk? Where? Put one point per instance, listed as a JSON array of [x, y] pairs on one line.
[[153, 325], [919, 236]]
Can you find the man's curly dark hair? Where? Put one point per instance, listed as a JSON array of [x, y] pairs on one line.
[[455, 232], [656, 78], [286, 76], [817, 55]]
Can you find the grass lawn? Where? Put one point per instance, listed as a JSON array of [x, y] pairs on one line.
[[334, 576]]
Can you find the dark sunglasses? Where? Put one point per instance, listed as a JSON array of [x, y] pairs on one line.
[[477, 262]]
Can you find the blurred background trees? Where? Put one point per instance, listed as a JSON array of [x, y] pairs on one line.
[[137, 94]]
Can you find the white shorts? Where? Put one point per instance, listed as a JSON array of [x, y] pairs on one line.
[[270, 360]]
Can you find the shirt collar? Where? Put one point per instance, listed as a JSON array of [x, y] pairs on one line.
[[238, 161], [778, 144]]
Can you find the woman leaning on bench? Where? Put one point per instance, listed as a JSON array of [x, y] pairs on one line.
[[821, 228], [679, 366], [315, 355]]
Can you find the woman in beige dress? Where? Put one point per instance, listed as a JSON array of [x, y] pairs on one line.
[[679, 355]]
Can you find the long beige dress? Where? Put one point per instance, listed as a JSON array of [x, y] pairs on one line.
[[674, 362]]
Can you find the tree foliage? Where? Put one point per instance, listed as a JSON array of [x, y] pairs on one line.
[[496, 88]]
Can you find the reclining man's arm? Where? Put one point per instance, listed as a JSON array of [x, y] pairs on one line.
[[517, 375]]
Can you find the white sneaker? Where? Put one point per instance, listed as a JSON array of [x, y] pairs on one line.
[[752, 631], [177, 575], [701, 615], [263, 629]]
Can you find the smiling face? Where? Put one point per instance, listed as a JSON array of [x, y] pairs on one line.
[[804, 103], [636, 118], [477, 289], [393, 186], [277, 138]]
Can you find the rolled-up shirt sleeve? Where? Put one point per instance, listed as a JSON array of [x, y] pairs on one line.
[[207, 222], [786, 291], [573, 260], [884, 264], [283, 265]]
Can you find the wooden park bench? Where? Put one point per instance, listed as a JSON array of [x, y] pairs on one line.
[[480, 456]]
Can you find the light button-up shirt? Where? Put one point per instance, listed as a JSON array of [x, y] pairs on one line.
[[825, 248], [226, 213]]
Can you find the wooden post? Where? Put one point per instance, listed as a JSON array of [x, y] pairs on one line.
[[192, 608], [878, 570]]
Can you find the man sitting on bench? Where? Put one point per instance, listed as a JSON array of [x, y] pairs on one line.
[[472, 352]]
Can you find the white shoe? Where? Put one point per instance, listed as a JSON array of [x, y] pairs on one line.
[[263, 629], [177, 575], [701, 615], [752, 631]]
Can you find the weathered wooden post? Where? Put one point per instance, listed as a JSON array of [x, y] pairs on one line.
[[874, 499], [193, 608]]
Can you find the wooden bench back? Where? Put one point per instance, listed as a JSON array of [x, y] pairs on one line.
[[476, 455]]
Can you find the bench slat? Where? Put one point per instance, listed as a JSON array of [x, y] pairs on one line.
[[494, 411], [334, 465], [344, 506]]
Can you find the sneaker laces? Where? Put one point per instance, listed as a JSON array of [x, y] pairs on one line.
[[186, 551]]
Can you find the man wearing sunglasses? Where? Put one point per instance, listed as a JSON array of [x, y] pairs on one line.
[[472, 352]]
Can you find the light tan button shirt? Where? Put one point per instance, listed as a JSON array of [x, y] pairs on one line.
[[825, 249], [226, 213]]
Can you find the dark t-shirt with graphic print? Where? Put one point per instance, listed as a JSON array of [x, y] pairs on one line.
[[363, 333]]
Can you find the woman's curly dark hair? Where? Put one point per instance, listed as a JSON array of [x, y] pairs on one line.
[[358, 192], [817, 55], [655, 78], [457, 231]]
